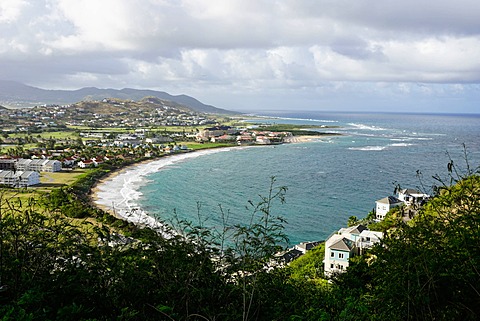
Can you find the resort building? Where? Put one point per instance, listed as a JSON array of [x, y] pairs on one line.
[[38, 165], [345, 244], [19, 178], [216, 131]]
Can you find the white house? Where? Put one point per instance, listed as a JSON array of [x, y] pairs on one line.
[[86, 163], [368, 239], [412, 196], [303, 247], [352, 232], [345, 244], [338, 250], [383, 206]]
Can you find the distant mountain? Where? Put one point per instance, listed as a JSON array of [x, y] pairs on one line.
[[13, 93]]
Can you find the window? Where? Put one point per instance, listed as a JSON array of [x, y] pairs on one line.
[[340, 255], [332, 254], [331, 266]]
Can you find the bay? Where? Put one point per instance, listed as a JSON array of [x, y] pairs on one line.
[[328, 180]]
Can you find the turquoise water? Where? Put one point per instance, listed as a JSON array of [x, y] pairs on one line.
[[328, 180]]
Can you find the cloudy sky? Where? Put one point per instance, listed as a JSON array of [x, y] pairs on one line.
[[357, 55]]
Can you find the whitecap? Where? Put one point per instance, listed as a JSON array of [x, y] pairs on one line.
[[366, 127], [401, 145], [369, 148]]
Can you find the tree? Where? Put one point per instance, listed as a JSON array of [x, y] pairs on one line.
[[352, 220]]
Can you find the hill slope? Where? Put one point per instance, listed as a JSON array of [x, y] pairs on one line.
[[18, 94]]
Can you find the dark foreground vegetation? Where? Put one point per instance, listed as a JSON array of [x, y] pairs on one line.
[[58, 265]]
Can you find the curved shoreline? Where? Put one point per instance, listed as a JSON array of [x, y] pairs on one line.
[[117, 193]]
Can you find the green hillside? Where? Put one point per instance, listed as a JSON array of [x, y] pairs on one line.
[[63, 260]]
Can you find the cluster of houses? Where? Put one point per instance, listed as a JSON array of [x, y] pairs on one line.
[[345, 244], [411, 198], [145, 113], [349, 242], [355, 240]]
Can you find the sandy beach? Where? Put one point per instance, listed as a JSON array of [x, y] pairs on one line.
[[118, 192], [303, 139]]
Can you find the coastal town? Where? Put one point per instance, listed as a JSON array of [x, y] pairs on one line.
[[166, 160], [52, 139]]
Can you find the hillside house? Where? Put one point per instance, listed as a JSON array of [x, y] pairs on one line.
[[384, 205], [338, 250], [345, 244], [303, 247], [367, 239], [412, 196]]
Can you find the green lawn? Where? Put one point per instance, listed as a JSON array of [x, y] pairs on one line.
[[65, 134]]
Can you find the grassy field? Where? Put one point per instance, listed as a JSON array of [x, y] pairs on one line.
[[59, 179], [198, 146], [64, 134]]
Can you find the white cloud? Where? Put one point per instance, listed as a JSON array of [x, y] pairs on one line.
[[11, 10], [220, 47]]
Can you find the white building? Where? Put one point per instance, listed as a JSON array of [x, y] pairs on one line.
[[38, 165], [412, 196], [368, 239], [19, 178], [338, 250], [409, 197], [383, 206]]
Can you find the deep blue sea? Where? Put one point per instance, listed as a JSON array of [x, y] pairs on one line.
[[328, 180]]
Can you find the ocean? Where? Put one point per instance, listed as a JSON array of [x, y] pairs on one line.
[[328, 180]]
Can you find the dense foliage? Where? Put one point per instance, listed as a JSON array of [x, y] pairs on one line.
[[54, 266], [425, 270]]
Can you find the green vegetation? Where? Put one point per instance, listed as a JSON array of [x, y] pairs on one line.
[[61, 259], [197, 146], [310, 265]]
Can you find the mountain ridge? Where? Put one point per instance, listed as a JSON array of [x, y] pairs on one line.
[[17, 94]]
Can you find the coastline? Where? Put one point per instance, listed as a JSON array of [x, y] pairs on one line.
[[117, 192]]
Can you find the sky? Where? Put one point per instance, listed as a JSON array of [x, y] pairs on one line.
[[254, 55]]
